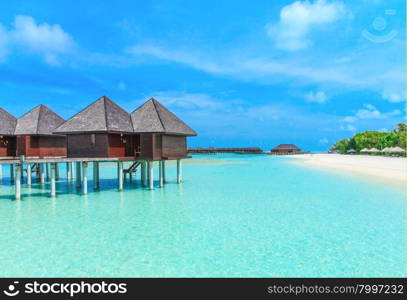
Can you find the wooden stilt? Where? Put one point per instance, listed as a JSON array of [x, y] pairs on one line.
[[163, 166], [179, 171], [29, 174], [72, 171], [12, 173], [84, 178], [53, 179], [150, 175], [68, 171], [143, 173], [161, 171], [22, 172], [47, 168], [42, 173], [78, 174], [1, 173], [120, 175], [56, 171], [95, 175], [18, 182]]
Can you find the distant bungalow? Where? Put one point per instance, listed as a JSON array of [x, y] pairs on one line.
[[31, 135], [7, 139], [104, 129], [285, 148]]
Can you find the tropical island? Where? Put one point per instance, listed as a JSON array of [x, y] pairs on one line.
[[374, 139]]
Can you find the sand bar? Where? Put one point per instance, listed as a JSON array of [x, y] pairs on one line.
[[380, 167]]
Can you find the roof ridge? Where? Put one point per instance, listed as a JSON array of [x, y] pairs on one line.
[[105, 113], [38, 119], [158, 114]]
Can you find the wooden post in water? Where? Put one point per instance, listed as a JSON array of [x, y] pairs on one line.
[[12, 173], [161, 170], [56, 171], [143, 173], [179, 171], [72, 170], [150, 175], [120, 175], [78, 174], [68, 171], [29, 175], [1, 173], [164, 177], [84, 178], [53, 169], [47, 167], [42, 173], [18, 182], [95, 175]]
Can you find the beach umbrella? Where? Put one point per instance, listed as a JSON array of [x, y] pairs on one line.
[[374, 150], [396, 150], [386, 149], [364, 150], [351, 151]]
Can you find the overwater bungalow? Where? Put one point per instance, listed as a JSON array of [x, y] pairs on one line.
[[285, 149], [160, 134], [102, 129], [35, 137], [7, 138]]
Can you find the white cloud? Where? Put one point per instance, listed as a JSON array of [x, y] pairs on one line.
[[367, 112], [317, 97], [299, 18], [392, 96], [348, 127], [323, 141], [49, 41], [350, 119]]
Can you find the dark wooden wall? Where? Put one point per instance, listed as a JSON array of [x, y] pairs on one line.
[[174, 146], [41, 146], [8, 146], [79, 145]]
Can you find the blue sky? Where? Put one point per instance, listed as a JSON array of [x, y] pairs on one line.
[[241, 73]]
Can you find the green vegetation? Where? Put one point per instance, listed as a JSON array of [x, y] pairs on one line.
[[373, 139]]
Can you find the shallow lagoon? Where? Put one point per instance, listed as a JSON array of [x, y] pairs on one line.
[[234, 216]]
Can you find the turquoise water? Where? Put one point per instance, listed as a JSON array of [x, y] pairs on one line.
[[234, 216]]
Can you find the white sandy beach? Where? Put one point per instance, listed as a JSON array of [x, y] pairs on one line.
[[380, 167]]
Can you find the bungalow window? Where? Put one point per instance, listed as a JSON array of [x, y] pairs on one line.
[[93, 139]]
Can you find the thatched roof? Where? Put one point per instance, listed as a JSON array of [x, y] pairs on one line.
[[7, 123], [152, 116], [38, 121], [103, 115], [286, 147]]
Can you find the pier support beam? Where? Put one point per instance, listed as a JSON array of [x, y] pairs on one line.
[[47, 166], [72, 171], [161, 170], [143, 173], [1, 173], [42, 173], [179, 171], [163, 166], [84, 178], [95, 175], [68, 171], [18, 182], [78, 174], [29, 175], [150, 175], [56, 171], [120, 175], [12, 173], [53, 169]]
